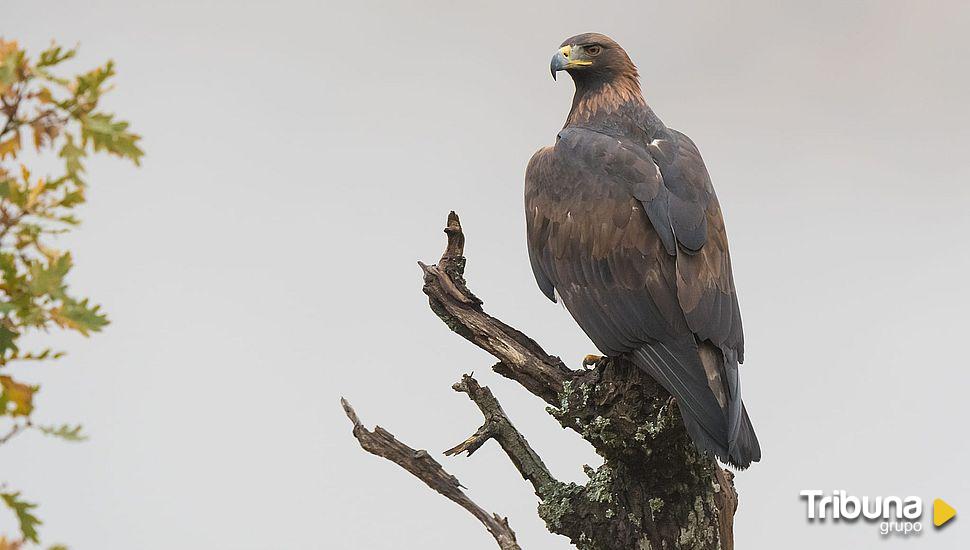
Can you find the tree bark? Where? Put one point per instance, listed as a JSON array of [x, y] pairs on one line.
[[654, 490]]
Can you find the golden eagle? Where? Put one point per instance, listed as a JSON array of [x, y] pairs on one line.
[[623, 225]]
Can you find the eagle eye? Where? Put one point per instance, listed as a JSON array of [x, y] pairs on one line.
[[594, 49]]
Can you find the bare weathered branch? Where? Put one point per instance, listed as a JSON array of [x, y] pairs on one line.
[[521, 358], [498, 427], [419, 463]]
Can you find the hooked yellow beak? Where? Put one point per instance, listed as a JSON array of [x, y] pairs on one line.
[[564, 59]]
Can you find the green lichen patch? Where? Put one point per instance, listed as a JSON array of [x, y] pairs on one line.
[[557, 501], [600, 486]]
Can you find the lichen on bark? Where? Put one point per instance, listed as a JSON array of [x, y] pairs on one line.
[[654, 489]]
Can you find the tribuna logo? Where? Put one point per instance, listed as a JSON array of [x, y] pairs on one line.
[[896, 515]]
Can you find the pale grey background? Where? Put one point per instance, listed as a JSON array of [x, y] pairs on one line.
[[303, 155]]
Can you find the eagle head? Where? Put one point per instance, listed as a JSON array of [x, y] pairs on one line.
[[592, 57]]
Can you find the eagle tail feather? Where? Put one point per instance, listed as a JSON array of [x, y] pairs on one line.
[[746, 448], [734, 442], [702, 415]]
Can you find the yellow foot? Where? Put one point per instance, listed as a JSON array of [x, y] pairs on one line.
[[591, 360]]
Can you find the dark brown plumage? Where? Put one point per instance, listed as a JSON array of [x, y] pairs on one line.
[[623, 224]]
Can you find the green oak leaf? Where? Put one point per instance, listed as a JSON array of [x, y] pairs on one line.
[[28, 521]]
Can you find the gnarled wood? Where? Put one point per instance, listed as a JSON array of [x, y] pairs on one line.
[[654, 490], [382, 443]]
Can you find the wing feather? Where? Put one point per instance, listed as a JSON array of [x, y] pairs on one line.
[[632, 239]]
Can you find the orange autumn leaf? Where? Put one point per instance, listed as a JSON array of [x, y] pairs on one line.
[[21, 396], [10, 146]]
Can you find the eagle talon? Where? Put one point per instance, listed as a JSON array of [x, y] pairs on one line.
[[592, 360]]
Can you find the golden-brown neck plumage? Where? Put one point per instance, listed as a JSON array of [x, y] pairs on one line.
[[604, 97]]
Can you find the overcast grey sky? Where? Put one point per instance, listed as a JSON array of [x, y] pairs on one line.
[[303, 155]]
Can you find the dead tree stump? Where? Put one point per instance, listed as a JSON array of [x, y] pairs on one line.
[[654, 490]]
